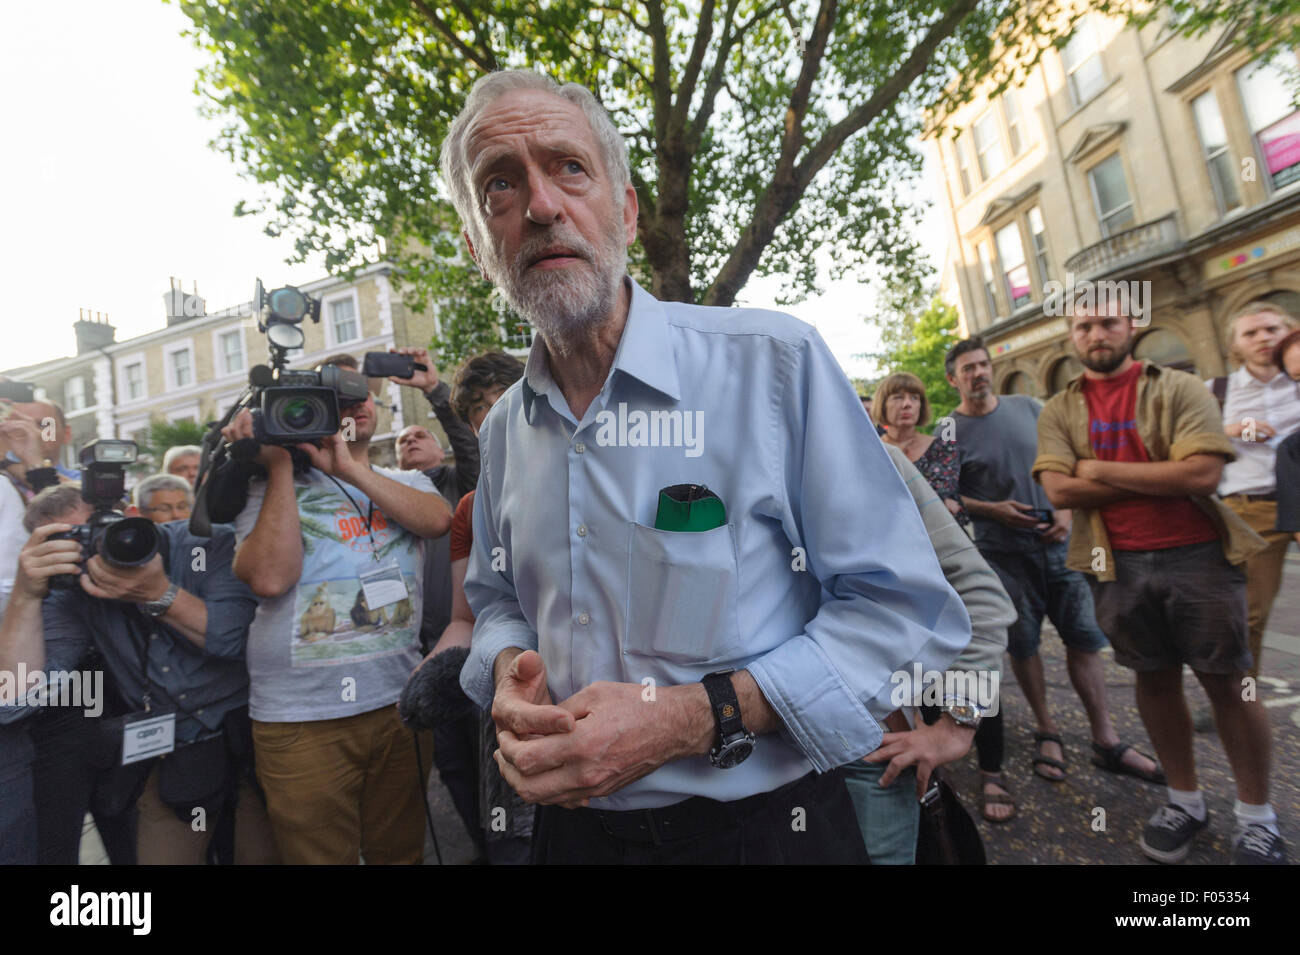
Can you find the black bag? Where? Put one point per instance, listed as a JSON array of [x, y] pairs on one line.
[[947, 834], [196, 775]]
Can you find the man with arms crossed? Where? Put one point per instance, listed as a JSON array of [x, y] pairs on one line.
[[1138, 450], [671, 695]]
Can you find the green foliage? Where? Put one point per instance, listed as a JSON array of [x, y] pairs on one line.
[[759, 132], [163, 434], [918, 345]]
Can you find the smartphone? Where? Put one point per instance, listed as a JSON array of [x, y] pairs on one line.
[[21, 391], [379, 364], [1042, 514]]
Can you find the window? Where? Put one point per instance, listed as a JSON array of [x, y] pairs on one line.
[[1081, 57], [182, 373], [963, 167], [231, 347], [1110, 195], [1063, 372], [1015, 273], [1274, 122], [343, 319], [519, 334], [1016, 130], [986, 272], [1164, 348], [134, 380], [988, 145], [1038, 235], [74, 394], [1214, 141], [1018, 383]]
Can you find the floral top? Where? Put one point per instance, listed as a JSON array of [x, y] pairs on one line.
[[940, 465]]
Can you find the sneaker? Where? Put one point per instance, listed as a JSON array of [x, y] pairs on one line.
[[1168, 835], [1257, 845]]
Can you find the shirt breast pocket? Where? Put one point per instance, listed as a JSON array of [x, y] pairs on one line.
[[682, 589]]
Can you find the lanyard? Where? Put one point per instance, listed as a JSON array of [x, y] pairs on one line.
[[367, 517]]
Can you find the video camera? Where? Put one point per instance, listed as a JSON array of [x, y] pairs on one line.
[[122, 541], [288, 406]]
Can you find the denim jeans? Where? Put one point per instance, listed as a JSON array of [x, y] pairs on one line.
[[889, 816]]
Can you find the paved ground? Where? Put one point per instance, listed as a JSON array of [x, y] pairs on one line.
[[1055, 820]]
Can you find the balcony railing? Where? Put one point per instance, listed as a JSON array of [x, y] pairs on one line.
[[1123, 248]]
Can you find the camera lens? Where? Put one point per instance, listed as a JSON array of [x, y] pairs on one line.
[[129, 542], [299, 413]]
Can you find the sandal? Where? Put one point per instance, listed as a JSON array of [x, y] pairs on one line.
[[1111, 759], [995, 799], [1040, 738]]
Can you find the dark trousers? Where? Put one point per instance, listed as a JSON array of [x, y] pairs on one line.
[[68, 783], [17, 808], [809, 821], [455, 754]]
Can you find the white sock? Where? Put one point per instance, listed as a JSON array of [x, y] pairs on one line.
[[1248, 815], [1191, 800]]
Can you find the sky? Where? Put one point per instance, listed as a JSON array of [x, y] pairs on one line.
[[111, 188]]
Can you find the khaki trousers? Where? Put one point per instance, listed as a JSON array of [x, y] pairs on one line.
[[1264, 570], [337, 790], [164, 839]]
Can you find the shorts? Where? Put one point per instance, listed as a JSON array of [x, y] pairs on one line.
[[1038, 582], [1174, 606]]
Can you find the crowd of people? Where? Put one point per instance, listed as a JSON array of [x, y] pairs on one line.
[[619, 645]]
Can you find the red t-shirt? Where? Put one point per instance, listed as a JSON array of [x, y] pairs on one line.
[[1147, 522], [462, 528]]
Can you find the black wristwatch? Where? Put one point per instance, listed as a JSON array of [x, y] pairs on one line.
[[735, 743]]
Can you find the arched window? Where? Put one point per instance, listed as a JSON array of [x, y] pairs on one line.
[[1018, 383], [1062, 372], [1164, 348]]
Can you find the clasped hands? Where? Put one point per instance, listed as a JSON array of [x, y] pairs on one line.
[[592, 744]]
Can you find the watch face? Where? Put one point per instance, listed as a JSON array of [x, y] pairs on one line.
[[733, 754]]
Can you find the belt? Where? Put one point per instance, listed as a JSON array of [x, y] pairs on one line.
[[697, 815]]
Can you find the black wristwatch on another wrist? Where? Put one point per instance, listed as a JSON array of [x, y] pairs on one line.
[[734, 743]]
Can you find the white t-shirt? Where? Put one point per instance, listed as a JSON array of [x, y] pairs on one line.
[[1277, 402], [320, 651]]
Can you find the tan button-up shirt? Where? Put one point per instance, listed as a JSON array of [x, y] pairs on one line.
[[1176, 418]]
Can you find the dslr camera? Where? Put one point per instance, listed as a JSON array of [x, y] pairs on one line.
[[121, 541]]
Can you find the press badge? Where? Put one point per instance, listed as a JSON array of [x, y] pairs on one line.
[[152, 736], [383, 585]]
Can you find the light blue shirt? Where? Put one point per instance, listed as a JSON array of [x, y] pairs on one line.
[[822, 583]]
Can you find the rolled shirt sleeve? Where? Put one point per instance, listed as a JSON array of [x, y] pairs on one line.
[[1055, 449], [231, 605], [886, 603]]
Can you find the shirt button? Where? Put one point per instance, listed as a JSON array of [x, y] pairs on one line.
[[166, 669], [153, 636], [582, 530], [580, 447], [584, 618], [181, 696]]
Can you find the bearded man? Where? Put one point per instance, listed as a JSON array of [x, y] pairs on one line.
[[694, 566]]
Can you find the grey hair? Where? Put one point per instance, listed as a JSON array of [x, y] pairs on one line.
[[488, 88], [50, 505], [179, 452], [160, 482]]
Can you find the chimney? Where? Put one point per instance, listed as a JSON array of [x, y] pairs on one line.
[[93, 331], [180, 306]]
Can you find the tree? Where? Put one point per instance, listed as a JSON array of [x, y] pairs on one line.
[[919, 346], [164, 434], [759, 131]]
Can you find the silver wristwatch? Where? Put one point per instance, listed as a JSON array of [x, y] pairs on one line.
[[963, 713], [156, 608]]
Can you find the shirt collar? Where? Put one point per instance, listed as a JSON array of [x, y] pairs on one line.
[[1242, 378], [645, 351]]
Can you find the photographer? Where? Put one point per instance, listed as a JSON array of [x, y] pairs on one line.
[[171, 634], [334, 551]]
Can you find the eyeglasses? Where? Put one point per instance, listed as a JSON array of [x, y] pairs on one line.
[[176, 510]]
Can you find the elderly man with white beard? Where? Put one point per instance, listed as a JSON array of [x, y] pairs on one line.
[[679, 649]]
